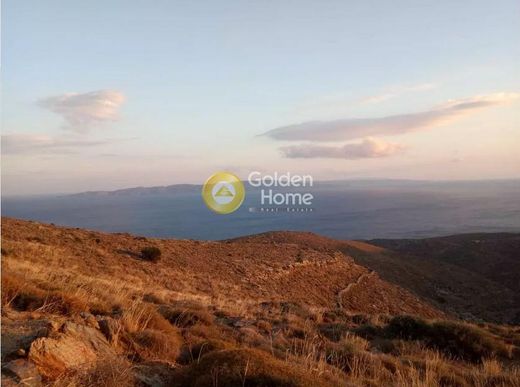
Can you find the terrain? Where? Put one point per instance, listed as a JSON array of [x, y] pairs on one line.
[[81, 307], [472, 276]]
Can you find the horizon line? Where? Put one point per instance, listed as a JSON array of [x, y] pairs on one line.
[[366, 179]]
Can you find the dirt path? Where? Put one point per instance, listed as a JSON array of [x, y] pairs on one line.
[[349, 287]]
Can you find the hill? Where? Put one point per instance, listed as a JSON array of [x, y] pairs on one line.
[[473, 276], [174, 189], [293, 309]]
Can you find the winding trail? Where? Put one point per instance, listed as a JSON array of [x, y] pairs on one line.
[[349, 287]]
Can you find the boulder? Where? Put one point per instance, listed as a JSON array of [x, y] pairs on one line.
[[72, 346]]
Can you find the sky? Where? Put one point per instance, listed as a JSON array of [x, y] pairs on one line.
[[102, 95]]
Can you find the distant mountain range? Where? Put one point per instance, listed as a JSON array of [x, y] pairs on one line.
[[320, 185], [142, 191]]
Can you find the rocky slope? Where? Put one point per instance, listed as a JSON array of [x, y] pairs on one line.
[[473, 276]]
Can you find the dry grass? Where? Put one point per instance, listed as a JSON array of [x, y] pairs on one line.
[[455, 339], [208, 335], [248, 367], [114, 372], [186, 314], [151, 344], [22, 295]]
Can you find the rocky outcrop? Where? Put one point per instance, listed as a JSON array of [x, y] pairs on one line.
[[72, 346]]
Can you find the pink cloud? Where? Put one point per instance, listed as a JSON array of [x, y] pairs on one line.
[[82, 111], [368, 148], [353, 128]]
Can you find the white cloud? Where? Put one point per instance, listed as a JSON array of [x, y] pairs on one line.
[[368, 148], [353, 128], [82, 111], [42, 143]]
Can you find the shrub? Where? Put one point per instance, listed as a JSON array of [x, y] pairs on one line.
[[466, 341], [247, 367], [353, 343], [19, 294], [252, 338], [104, 308], [151, 253], [408, 328], [193, 351], [153, 299], [140, 316], [333, 331], [23, 296], [64, 303], [368, 331], [186, 314], [341, 354], [346, 357], [455, 339], [112, 372], [152, 344]]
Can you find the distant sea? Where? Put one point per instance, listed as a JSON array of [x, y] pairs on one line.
[[363, 209]]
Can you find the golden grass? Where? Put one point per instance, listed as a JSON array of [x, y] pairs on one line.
[[213, 339], [113, 372]]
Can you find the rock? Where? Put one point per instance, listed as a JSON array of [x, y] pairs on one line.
[[73, 346], [110, 328], [18, 334], [88, 335], [25, 372]]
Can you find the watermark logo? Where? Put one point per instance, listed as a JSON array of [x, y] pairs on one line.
[[223, 192], [284, 192]]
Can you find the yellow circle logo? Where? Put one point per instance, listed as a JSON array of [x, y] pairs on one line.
[[223, 192]]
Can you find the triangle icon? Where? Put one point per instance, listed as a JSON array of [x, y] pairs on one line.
[[224, 191]]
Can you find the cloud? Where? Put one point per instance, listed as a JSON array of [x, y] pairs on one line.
[[83, 111], [353, 128], [368, 148], [41, 143]]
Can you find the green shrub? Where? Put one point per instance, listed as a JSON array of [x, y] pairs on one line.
[[151, 253]]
